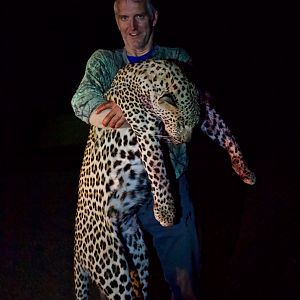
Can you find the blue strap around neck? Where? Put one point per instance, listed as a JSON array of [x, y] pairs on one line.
[[134, 59]]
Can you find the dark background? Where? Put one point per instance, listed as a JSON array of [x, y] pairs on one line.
[[246, 56]]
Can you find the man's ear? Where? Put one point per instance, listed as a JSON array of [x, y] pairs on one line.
[[155, 17]]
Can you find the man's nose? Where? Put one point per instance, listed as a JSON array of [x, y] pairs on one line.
[[133, 24]]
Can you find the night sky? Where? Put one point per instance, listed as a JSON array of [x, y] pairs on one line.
[[245, 55]]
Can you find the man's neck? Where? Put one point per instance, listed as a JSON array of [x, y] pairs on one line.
[[139, 52], [137, 58], [142, 51]]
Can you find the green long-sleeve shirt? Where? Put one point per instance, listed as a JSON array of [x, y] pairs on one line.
[[100, 70]]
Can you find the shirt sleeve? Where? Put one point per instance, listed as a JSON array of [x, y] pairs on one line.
[[179, 54], [95, 82], [184, 56]]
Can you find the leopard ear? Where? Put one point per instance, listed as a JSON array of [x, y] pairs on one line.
[[166, 102]]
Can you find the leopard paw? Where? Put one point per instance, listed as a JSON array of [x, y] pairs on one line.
[[165, 214]]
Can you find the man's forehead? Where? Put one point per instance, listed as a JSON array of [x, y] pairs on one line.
[[126, 7]]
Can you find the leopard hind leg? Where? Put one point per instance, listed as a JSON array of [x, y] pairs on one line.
[[217, 130], [132, 237], [81, 282], [133, 191]]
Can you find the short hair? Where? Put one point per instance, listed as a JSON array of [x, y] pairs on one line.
[[151, 8]]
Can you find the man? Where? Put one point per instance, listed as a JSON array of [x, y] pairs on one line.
[[177, 246]]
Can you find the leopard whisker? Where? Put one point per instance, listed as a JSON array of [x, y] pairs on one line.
[[165, 137]]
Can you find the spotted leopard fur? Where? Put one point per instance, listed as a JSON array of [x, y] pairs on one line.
[[216, 129], [122, 168]]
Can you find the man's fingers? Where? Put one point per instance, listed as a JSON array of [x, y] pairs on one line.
[[108, 120], [104, 106], [114, 118], [116, 121], [122, 123]]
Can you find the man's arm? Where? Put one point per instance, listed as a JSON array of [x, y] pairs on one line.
[[99, 73]]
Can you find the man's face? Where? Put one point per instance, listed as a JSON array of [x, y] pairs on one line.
[[136, 25]]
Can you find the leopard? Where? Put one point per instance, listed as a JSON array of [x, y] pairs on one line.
[[125, 167]]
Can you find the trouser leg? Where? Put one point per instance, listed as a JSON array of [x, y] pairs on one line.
[[177, 246]]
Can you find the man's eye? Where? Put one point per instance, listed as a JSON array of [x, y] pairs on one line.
[[140, 17], [123, 18]]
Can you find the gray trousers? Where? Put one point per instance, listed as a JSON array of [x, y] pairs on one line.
[[177, 246]]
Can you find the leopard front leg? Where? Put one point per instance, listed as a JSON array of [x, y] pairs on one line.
[[147, 129], [153, 160]]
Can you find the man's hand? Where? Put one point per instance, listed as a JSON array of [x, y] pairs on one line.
[[115, 117]]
